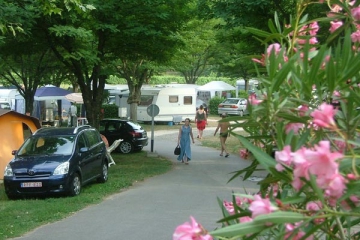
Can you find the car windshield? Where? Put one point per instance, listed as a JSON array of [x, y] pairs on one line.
[[47, 145]]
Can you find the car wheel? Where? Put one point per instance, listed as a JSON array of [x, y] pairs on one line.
[[104, 173], [75, 185], [126, 147], [241, 113]]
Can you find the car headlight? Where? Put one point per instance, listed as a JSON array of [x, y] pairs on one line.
[[62, 169], [8, 171]]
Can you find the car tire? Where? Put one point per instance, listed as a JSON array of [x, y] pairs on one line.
[[104, 173], [75, 185], [126, 147]]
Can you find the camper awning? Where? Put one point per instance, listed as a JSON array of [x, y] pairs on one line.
[[50, 92], [74, 98]]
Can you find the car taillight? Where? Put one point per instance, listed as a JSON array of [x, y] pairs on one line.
[[136, 134], [220, 105], [234, 106]]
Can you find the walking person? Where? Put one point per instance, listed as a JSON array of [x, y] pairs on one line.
[[224, 133], [73, 115], [201, 121], [185, 133]]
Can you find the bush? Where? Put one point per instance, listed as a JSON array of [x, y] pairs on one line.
[[110, 111], [214, 103], [303, 129]]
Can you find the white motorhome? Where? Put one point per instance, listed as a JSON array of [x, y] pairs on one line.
[[11, 98], [175, 103]]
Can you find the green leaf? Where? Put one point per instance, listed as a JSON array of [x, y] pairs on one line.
[[280, 217], [264, 159], [257, 32], [240, 229]]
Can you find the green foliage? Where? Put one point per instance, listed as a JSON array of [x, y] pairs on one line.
[[110, 110], [280, 135], [214, 103], [243, 94]]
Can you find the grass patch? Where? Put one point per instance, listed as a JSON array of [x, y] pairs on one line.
[[232, 143], [21, 216]]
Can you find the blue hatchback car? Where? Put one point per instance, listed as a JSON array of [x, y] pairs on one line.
[[56, 161]]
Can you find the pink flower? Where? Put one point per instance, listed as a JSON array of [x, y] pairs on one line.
[[303, 110], [273, 48], [293, 233], [336, 186], [245, 219], [229, 206], [314, 206], [294, 127], [244, 153], [323, 161], [355, 12], [335, 25], [193, 231], [283, 157], [324, 116], [355, 36], [314, 28], [261, 206]]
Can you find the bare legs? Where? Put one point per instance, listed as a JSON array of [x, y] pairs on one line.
[[200, 133], [223, 146]]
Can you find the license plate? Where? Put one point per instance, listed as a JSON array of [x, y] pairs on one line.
[[31, 184]]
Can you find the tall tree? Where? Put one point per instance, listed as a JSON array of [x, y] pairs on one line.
[[148, 37], [192, 59]]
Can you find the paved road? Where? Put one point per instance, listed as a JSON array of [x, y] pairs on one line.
[[152, 209]]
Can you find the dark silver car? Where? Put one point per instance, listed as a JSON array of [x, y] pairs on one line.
[[233, 106]]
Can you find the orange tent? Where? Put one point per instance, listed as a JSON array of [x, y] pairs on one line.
[[14, 128]]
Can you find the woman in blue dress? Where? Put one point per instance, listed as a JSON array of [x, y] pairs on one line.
[[185, 132]]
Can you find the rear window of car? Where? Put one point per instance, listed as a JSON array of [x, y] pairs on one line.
[[231, 101], [134, 125]]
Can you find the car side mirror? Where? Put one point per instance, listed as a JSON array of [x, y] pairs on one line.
[[84, 149], [13, 152]]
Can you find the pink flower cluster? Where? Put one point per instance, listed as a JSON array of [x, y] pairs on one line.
[[336, 10], [258, 206], [261, 206], [324, 116], [318, 161], [294, 233], [191, 231]]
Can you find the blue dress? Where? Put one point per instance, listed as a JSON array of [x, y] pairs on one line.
[[185, 143]]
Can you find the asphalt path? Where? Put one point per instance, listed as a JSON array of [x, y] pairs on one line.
[[152, 209]]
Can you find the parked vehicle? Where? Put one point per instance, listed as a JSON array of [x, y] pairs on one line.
[[57, 161], [133, 135], [233, 106], [175, 103]]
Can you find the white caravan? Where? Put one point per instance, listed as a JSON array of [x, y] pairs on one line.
[[175, 103], [11, 99]]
